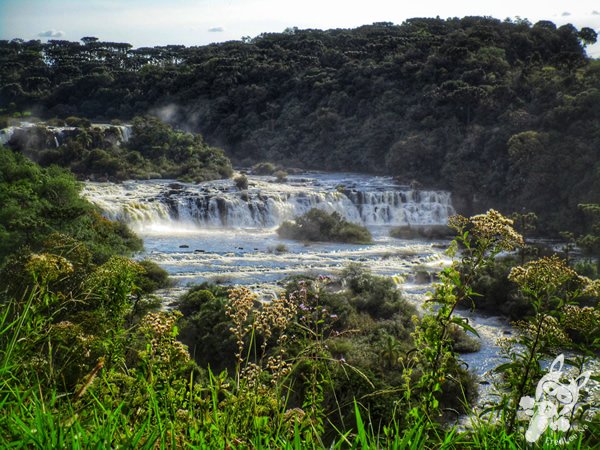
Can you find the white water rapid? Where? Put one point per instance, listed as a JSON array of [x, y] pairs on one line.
[[370, 201], [214, 232]]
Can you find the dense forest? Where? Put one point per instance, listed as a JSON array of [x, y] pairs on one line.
[[503, 113]]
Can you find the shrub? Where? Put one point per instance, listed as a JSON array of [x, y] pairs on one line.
[[264, 168], [79, 122], [462, 342], [205, 326], [241, 182], [279, 248], [280, 176], [374, 295], [317, 225], [154, 277]]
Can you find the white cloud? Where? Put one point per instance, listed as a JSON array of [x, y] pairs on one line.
[[52, 34], [595, 13], [566, 13], [216, 29]]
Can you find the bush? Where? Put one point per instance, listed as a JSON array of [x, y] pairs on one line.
[[280, 176], [462, 342], [279, 248], [52, 204], [154, 277], [205, 326], [79, 122], [498, 294], [317, 225], [264, 168], [374, 295], [241, 182]]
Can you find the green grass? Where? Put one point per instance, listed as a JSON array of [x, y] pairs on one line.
[[209, 414]]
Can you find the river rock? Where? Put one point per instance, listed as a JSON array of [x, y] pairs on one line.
[[422, 277]]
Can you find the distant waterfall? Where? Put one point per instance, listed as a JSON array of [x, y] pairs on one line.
[[57, 136], [218, 204], [6, 135], [126, 132]]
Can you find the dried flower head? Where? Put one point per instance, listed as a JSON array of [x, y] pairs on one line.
[[585, 320], [48, 267], [492, 227], [160, 329], [275, 315], [547, 274], [241, 303], [550, 332]]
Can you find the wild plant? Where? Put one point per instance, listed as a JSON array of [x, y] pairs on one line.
[[480, 238], [257, 402], [552, 288], [313, 326]]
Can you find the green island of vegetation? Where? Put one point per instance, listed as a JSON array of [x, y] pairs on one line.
[[318, 225]]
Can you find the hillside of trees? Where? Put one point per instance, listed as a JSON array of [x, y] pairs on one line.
[[155, 150], [503, 113]]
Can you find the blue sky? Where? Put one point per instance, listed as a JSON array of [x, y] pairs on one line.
[[199, 22]]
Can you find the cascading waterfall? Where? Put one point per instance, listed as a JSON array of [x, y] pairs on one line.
[[58, 135], [6, 134], [126, 132], [266, 204]]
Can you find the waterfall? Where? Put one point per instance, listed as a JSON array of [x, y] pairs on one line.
[[6, 134], [126, 132], [218, 204], [115, 134]]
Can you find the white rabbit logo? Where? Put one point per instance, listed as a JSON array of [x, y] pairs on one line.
[[554, 401]]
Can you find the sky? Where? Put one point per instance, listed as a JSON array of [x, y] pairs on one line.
[[199, 22]]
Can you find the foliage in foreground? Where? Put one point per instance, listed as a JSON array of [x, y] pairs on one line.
[[89, 367], [37, 202]]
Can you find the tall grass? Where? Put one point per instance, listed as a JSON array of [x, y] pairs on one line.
[[145, 392], [40, 417]]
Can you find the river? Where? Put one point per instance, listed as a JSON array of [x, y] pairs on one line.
[[214, 232]]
